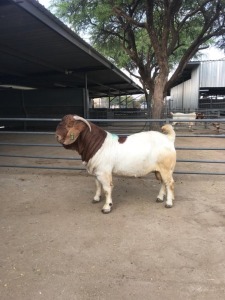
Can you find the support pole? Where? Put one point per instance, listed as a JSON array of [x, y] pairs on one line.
[[86, 97]]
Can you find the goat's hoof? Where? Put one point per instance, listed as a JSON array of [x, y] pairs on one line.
[[106, 211], [96, 201], [158, 200], [169, 205]]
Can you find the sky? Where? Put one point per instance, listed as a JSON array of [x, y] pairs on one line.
[[46, 3]]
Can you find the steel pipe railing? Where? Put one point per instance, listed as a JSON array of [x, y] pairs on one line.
[[146, 121]]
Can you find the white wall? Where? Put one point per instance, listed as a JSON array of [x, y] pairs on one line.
[[185, 95], [212, 73]]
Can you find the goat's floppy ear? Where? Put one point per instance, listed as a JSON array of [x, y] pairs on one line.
[[71, 136], [77, 118]]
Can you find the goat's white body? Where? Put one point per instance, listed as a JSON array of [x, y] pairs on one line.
[[184, 116], [139, 155], [136, 157]]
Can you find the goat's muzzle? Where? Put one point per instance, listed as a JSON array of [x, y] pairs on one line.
[[59, 138]]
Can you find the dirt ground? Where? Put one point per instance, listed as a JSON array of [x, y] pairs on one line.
[[56, 244]]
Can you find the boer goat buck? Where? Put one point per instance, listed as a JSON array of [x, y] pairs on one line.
[[105, 154]]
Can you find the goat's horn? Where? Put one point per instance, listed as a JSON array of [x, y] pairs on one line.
[[77, 118]]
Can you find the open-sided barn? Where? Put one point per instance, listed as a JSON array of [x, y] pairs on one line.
[[54, 71]]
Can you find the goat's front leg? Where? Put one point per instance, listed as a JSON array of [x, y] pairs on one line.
[[107, 185], [98, 192]]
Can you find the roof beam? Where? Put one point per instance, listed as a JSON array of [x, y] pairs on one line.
[[27, 57]]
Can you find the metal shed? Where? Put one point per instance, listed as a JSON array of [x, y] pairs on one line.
[[201, 87], [38, 51]]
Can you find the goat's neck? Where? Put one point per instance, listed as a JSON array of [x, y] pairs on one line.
[[88, 143]]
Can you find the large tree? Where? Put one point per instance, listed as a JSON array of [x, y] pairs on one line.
[[149, 36]]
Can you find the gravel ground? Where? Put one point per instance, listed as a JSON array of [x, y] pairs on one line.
[[56, 244]]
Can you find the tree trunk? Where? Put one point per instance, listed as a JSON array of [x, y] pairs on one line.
[[158, 99], [149, 102]]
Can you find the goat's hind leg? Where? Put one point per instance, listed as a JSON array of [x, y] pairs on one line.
[[167, 188], [162, 191], [170, 193], [169, 183]]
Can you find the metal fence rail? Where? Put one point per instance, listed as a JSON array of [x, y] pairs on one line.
[[104, 122]]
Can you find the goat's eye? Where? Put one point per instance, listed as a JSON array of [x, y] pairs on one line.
[[71, 136]]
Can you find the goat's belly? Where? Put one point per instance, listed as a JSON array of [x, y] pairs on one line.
[[133, 169]]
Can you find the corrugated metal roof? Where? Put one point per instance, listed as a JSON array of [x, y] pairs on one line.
[[38, 50]]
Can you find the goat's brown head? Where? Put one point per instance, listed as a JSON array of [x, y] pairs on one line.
[[200, 115], [70, 128]]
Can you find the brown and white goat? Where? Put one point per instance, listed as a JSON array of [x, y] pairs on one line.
[[105, 154]]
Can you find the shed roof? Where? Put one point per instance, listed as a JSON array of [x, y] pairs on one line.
[[186, 73], [38, 50]]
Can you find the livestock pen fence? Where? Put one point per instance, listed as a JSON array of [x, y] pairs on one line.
[[17, 147]]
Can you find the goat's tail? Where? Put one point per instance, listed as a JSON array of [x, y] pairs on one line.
[[169, 131]]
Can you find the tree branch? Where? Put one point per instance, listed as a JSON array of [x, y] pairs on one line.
[[119, 12]]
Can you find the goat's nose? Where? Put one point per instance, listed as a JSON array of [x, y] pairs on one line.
[[58, 137]]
